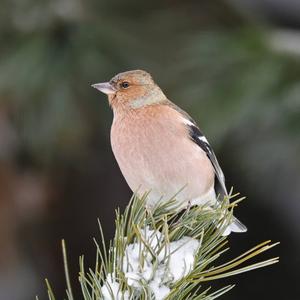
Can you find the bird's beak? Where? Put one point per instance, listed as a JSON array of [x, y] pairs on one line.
[[104, 87]]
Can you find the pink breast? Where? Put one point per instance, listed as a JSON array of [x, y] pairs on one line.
[[154, 152]]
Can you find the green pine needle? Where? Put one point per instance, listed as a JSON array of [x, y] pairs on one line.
[[203, 225]]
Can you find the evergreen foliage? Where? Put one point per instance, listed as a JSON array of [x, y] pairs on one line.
[[148, 235]]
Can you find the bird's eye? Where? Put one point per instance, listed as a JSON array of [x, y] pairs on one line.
[[125, 84]]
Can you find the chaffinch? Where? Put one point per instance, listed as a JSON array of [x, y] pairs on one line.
[[159, 147]]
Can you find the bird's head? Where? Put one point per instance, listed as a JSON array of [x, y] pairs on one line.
[[131, 90]]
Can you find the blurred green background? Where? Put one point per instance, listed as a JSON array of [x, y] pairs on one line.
[[234, 65]]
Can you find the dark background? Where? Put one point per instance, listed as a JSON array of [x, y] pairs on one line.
[[234, 65]]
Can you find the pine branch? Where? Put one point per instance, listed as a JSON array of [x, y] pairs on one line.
[[160, 255]]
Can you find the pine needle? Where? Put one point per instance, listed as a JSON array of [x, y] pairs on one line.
[[150, 233]]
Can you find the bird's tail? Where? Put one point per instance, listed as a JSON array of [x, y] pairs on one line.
[[235, 226]]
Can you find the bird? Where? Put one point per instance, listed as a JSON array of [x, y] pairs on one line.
[[159, 148]]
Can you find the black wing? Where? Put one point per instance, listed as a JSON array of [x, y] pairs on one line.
[[197, 136]]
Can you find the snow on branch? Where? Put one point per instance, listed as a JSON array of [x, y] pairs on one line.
[[159, 254]]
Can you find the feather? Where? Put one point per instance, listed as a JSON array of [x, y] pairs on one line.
[[197, 136]]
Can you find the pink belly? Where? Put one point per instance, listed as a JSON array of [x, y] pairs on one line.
[[161, 159]]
